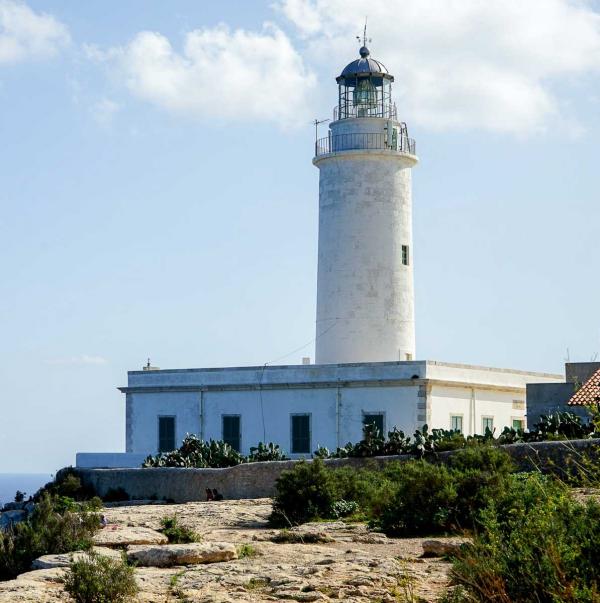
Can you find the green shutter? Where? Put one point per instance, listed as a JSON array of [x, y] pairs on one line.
[[166, 434], [231, 431], [374, 419], [301, 434]]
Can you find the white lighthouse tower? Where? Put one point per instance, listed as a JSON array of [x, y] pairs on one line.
[[365, 291]]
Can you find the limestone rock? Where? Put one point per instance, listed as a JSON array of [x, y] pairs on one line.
[[10, 517], [54, 574], [121, 535], [181, 554], [64, 559], [440, 548]]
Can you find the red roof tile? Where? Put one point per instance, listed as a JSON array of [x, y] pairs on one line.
[[588, 393]]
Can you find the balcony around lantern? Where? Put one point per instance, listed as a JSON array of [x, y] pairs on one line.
[[365, 141]]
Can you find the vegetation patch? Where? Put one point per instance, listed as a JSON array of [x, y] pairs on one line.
[[176, 533], [197, 453], [257, 584], [247, 551], [535, 542], [57, 525], [293, 537], [98, 579]]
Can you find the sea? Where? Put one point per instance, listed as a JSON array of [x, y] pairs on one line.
[[26, 482]]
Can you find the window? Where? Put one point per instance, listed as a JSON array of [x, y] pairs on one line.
[[405, 255], [232, 434], [487, 423], [166, 434], [518, 424], [374, 418], [456, 423], [300, 434]]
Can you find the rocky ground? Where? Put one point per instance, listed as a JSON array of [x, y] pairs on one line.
[[346, 563]]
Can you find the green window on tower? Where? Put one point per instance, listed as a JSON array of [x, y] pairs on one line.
[[166, 434], [374, 418], [405, 255], [300, 434], [232, 434]]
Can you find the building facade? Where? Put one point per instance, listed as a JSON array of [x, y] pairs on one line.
[[365, 369], [304, 407]]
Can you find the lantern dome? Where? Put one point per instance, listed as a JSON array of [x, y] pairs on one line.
[[365, 66]]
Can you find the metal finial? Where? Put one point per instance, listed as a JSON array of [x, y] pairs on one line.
[[364, 51]]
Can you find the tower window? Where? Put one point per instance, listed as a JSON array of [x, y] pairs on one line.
[[300, 434], [405, 255], [166, 434], [231, 431]]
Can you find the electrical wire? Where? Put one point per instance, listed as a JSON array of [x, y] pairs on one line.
[[262, 373]]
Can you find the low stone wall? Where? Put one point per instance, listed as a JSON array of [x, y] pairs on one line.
[[257, 480]]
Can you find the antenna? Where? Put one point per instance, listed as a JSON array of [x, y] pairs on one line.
[[316, 124], [364, 36]]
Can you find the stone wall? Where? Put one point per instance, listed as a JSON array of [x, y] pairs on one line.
[[257, 480]]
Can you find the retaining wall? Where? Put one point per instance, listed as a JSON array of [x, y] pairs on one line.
[[257, 480]]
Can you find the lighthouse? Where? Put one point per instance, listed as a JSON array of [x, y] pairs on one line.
[[365, 288]]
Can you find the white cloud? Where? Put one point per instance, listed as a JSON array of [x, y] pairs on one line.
[[501, 64], [25, 34], [219, 73], [82, 360], [104, 111]]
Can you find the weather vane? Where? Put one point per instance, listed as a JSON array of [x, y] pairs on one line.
[[364, 37]]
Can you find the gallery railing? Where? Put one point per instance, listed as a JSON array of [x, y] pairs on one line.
[[352, 142]]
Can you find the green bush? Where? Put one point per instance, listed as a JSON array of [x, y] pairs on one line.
[[56, 525], [304, 493], [176, 533], [429, 498], [423, 502], [67, 484], [535, 544], [98, 579], [414, 497]]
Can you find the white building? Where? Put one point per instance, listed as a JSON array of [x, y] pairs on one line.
[[365, 335]]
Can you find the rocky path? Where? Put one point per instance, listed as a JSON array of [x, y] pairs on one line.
[[342, 562]]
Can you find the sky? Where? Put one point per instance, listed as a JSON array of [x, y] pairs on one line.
[[157, 197]]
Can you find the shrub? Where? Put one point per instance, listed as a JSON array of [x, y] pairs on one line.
[[51, 528], [423, 502], [429, 498], [303, 493], [536, 543], [343, 508], [176, 533], [19, 496], [98, 579], [68, 484], [247, 550]]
